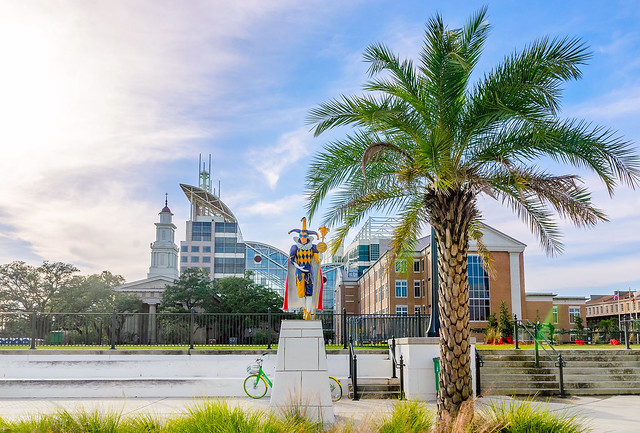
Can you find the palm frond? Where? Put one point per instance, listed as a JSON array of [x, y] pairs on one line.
[[537, 217], [475, 233], [376, 148], [525, 86]]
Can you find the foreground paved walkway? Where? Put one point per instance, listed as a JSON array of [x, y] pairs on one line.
[[616, 414]]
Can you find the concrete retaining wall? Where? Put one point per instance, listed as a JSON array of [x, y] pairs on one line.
[[161, 373]]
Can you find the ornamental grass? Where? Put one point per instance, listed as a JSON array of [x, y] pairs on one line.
[[217, 416]]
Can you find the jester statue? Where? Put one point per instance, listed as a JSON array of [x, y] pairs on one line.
[[304, 278]]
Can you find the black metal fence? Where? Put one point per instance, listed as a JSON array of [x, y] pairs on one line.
[[192, 329], [379, 329]]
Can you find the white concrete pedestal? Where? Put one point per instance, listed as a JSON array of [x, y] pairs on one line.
[[301, 381]]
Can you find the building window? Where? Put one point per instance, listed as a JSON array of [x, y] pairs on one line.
[[374, 252], [184, 259], [206, 259], [201, 231], [402, 310], [195, 259], [479, 299], [226, 227], [228, 245], [401, 289], [195, 249], [206, 249], [555, 313], [363, 253], [416, 289], [229, 265], [184, 249], [401, 266], [573, 312], [416, 265], [417, 310]]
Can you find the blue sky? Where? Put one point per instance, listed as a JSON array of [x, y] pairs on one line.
[[105, 106]]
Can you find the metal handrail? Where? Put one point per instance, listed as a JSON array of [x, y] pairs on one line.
[[397, 365], [537, 340], [560, 362], [353, 370], [479, 363]]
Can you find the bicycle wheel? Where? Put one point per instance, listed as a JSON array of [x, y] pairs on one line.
[[336, 389], [255, 386]]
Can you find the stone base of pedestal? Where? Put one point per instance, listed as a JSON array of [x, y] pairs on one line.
[[301, 381]]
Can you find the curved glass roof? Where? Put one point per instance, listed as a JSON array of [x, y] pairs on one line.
[[270, 270]]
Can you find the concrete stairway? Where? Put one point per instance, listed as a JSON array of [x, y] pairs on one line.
[[376, 387], [587, 372]]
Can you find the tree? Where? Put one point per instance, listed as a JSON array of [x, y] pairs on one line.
[[194, 289], [25, 287], [607, 326], [242, 295], [427, 142], [578, 326], [506, 324], [492, 334], [94, 294]]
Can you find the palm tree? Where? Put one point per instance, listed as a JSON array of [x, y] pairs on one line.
[[427, 142]]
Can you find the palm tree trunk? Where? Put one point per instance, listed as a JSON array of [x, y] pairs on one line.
[[451, 216]]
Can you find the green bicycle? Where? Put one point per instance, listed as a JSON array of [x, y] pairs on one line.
[[256, 384]]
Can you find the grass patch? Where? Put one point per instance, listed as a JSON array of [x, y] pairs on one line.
[[408, 417], [526, 417], [217, 416]]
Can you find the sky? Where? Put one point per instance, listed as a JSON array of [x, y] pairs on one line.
[[105, 106]]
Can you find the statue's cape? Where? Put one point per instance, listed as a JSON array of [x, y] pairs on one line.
[[291, 298]]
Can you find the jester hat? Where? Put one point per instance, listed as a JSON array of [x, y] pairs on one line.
[[304, 232]]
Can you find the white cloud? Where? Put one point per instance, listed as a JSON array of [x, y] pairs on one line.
[[272, 161], [621, 103], [275, 208], [94, 96]]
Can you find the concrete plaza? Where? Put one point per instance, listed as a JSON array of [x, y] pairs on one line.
[[611, 414]]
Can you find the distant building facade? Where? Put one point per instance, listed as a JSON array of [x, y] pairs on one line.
[[622, 305]]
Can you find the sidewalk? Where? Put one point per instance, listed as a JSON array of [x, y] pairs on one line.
[[616, 414]]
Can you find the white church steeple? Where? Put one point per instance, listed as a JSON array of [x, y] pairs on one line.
[[164, 251]]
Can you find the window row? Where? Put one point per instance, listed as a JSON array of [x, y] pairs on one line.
[[195, 249]]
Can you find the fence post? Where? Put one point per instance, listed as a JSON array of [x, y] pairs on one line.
[[33, 329], [114, 323], [191, 322], [354, 378], [269, 330], [515, 330], [401, 378], [626, 334], [561, 374], [344, 328], [393, 358]]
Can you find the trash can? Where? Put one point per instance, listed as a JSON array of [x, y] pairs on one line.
[[436, 370], [56, 337]]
